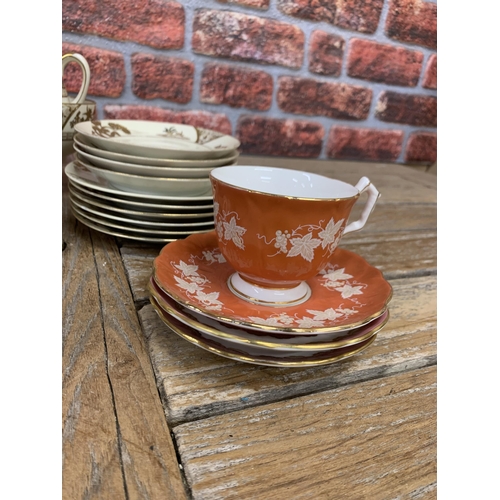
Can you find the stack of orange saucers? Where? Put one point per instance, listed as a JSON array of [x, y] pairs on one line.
[[348, 306]]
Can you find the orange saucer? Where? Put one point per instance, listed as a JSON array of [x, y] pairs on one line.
[[348, 293]]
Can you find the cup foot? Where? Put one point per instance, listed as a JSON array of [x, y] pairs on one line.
[[272, 297]]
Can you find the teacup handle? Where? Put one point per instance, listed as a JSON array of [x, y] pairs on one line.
[[363, 185], [79, 59]]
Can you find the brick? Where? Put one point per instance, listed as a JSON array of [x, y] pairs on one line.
[[237, 87], [274, 137], [204, 119], [418, 110], [168, 78], [412, 21], [159, 24], [384, 63], [359, 15], [430, 76], [326, 52], [364, 144], [309, 9], [255, 4], [421, 148], [107, 71], [247, 38], [312, 97]]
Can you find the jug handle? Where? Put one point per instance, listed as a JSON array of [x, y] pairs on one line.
[[363, 185], [84, 65]]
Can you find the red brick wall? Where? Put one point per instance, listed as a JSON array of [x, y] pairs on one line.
[[346, 79]]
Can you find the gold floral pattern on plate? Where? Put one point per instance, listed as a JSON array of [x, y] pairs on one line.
[[162, 140]]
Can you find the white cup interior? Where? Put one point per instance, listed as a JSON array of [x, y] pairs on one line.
[[283, 182]]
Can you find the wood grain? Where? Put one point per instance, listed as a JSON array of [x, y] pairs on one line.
[[373, 440], [149, 461], [197, 384], [90, 442], [132, 454], [396, 217], [397, 255]]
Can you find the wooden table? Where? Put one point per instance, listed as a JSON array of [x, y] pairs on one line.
[[147, 415]]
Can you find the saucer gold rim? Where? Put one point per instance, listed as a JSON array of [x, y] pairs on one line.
[[255, 360], [261, 343]]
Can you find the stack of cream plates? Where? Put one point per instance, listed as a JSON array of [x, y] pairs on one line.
[[146, 181], [347, 309]]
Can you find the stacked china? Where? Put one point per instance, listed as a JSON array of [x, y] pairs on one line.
[[146, 181], [270, 284]]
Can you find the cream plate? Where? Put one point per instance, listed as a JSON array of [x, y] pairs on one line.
[[131, 168], [84, 144], [122, 234], [178, 232], [157, 139], [348, 293], [268, 340], [170, 225], [187, 205], [96, 203], [254, 355], [84, 176], [150, 185], [128, 232]]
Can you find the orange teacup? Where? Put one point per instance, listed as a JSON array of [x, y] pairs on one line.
[[279, 227]]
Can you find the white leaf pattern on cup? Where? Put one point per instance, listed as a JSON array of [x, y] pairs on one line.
[[328, 234], [234, 232], [304, 245]]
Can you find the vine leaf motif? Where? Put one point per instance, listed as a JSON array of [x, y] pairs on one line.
[[234, 232], [187, 269], [304, 247], [189, 287], [348, 290], [328, 314], [328, 234]]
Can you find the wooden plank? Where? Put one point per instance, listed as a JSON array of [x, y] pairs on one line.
[[90, 442], [375, 439], [149, 461], [395, 253], [396, 183], [197, 384], [138, 262], [400, 254], [396, 217], [146, 461]]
